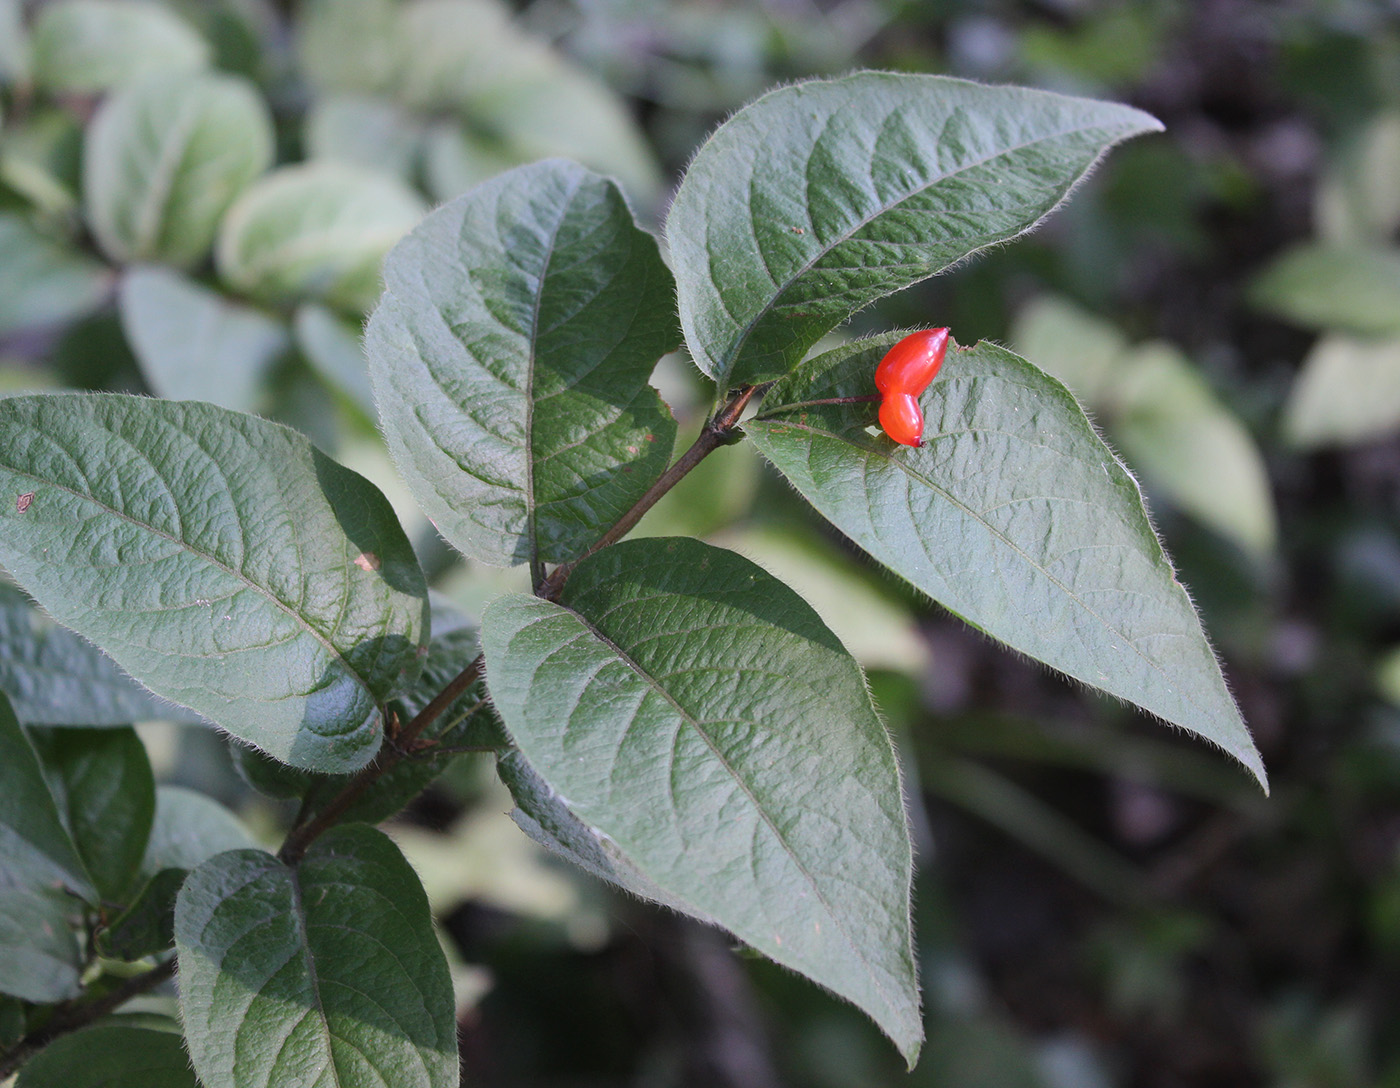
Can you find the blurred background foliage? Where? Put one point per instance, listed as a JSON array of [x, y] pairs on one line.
[[194, 199]]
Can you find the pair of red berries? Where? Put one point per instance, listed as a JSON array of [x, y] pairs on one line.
[[902, 375]]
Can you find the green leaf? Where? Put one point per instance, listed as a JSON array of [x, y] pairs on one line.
[[1071, 344], [43, 282], [334, 348], [53, 677], [189, 829], [164, 159], [456, 158], [84, 46], [14, 43], [697, 713], [196, 344], [1170, 424], [1349, 288], [328, 973], [102, 783], [319, 230], [1358, 200], [1348, 391], [41, 160], [1015, 516], [111, 1056], [819, 198], [348, 45], [40, 959], [510, 359], [221, 560], [39, 853], [11, 1008], [364, 131], [469, 56]]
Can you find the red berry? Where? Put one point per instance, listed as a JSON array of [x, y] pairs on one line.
[[902, 419], [910, 365]]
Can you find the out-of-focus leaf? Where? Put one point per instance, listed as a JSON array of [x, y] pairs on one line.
[[164, 159], [328, 973], [1015, 516], [102, 784], [819, 198], [196, 344], [1348, 391], [53, 677], [43, 282], [456, 158], [348, 45], [334, 347], [220, 559], [41, 159], [1073, 345], [87, 46], [111, 1056], [696, 712], [510, 359], [40, 959], [14, 43], [1358, 202], [1348, 288], [468, 56], [365, 131], [319, 230]]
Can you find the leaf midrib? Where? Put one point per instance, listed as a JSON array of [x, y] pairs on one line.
[[301, 621], [689, 719], [744, 334]]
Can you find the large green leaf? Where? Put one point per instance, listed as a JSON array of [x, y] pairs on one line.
[[348, 45], [1349, 288], [40, 959], [822, 197], [111, 1056], [319, 230], [366, 131], [510, 359], [326, 974], [698, 715], [42, 281], [102, 783], [93, 45], [164, 159], [1348, 391], [196, 344], [38, 851], [221, 560], [53, 677], [1015, 516]]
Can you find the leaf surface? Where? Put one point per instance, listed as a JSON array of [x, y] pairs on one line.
[[83, 46], [1015, 516], [221, 560], [510, 359], [196, 344], [111, 1056], [40, 959], [819, 198], [165, 157], [1348, 391], [42, 281], [697, 715], [1352, 288], [323, 975]]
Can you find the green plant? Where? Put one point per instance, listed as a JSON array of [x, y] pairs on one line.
[[666, 713]]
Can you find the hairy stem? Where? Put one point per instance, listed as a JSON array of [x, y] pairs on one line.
[[72, 1015]]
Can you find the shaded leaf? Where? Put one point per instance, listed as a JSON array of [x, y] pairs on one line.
[[1348, 391], [94, 45], [1015, 516], [334, 348], [510, 359], [164, 159], [819, 198], [196, 344], [111, 1056], [221, 559], [40, 959], [697, 713], [147, 926], [39, 853], [42, 281], [1349, 288], [319, 230], [328, 973], [53, 677], [365, 131], [102, 783]]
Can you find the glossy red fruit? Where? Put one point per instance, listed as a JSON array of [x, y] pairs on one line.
[[910, 365], [902, 419]]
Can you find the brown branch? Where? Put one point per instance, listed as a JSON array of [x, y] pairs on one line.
[[390, 755], [70, 1016], [716, 433]]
